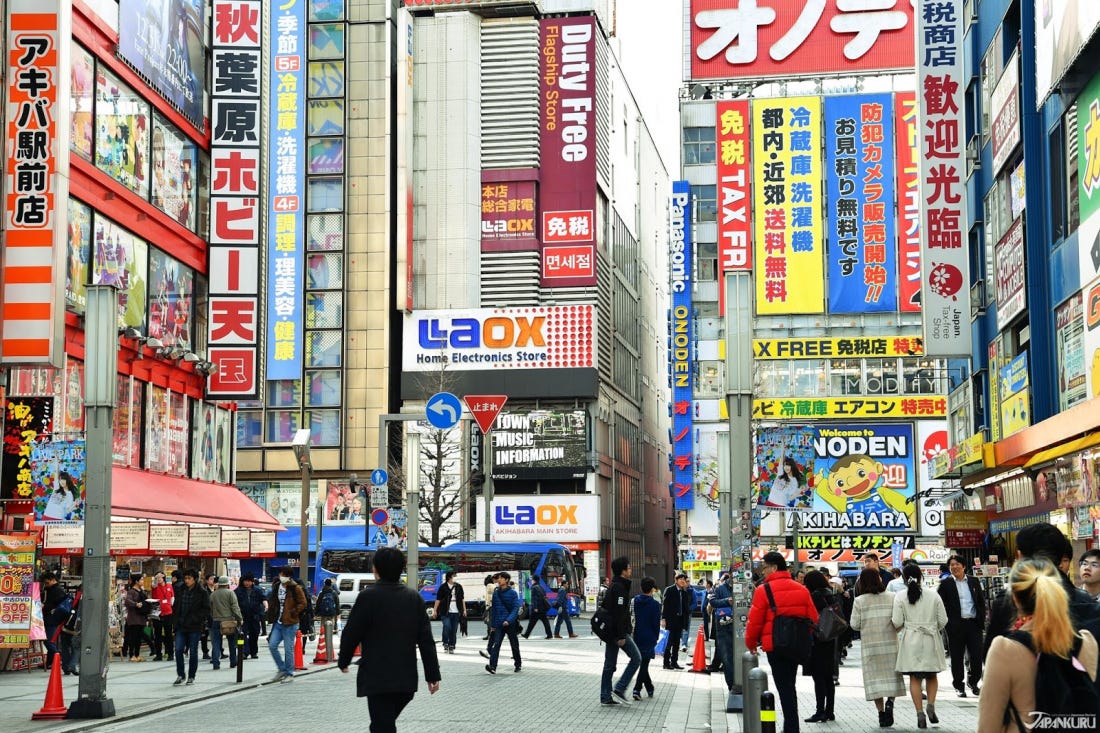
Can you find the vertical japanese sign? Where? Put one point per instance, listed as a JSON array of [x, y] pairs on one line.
[[859, 164], [1005, 131], [286, 171], [36, 163], [681, 346], [908, 195], [1069, 325], [567, 179], [1088, 173], [734, 188], [235, 198], [508, 211], [1009, 266], [945, 265], [28, 421], [786, 161], [16, 598]]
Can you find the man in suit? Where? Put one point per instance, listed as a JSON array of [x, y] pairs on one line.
[[965, 604], [388, 619], [675, 614]]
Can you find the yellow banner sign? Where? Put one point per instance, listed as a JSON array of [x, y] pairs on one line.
[[787, 200], [823, 408], [844, 347], [700, 565], [967, 452]]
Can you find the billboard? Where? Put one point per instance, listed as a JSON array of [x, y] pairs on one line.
[[734, 172], [542, 337], [1015, 396], [945, 264], [1069, 329], [785, 38], [1011, 296], [1062, 28], [1005, 129], [567, 177], [58, 469], [908, 201], [35, 185], [784, 468], [681, 343], [1092, 338], [535, 443], [170, 300], [286, 97], [822, 408], [508, 211], [859, 169], [28, 422], [121, 259], [1088, 175], [544, 518], [787, 198], [163, 42], [233, 316], [825, 347]]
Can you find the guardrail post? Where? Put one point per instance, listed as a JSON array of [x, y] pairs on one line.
[[735, 703], [767, 712], [756, 684]]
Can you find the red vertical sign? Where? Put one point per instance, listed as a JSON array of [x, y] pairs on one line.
[[908, 193], [734, 189]]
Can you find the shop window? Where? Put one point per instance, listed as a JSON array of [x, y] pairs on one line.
[[919, 376], [326, 9], [881, 376], [175, 162], [325, 194], [324, 388], [773, 378], [326, 79], [324, 427], [326, 232], [171, 300], [72, 409], [82, 95], [808, 378], [707, 261], [282, 424], [126, 431], [698, 145], [326, 41], [79, 255], [846, 377], [166, 431], [204, 463], [223, 445], [284, 393], [250, 433], [706, 202], [324, 271], [323, 348], [710, 380], [324, 310], [122, 125], [122, 260], [325, 117], [326, 156]]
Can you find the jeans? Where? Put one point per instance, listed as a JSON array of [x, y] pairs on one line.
[[251, 636], [784, 674], [282, 634], [563, 615], [216, 638], [162, 636], [450, 629], [512, 631], [724, 649], [684, 632], [188, 640], [66, 644], [384, 709], [610, 657]]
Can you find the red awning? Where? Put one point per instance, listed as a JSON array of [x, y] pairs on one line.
[[144, 495]]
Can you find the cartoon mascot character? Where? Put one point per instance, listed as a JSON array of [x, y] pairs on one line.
[[854, 485]]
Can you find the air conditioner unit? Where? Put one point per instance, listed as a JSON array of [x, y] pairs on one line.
[[977, 299], [974, 152]]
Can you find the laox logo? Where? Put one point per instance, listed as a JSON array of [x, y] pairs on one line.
[[508, 226], [542, 514], [498, 332]]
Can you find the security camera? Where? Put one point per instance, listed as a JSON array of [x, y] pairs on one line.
[[301, 446]]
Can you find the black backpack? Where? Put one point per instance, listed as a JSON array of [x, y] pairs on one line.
[[1063, 689], [326, 604]]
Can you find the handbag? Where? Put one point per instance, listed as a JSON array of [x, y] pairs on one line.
[[791, 635], [662, 642], [228, 626], [830, 625], [723, 615]]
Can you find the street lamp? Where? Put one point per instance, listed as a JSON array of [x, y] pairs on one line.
[[300, 444]]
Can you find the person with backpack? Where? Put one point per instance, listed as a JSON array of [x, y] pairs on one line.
[[562, 604], [69, 637], [137, 607], [539, 608], [56, 604], [328, 605], [620, 634], [820, 666], [919, 618], [450, 607], [1043, 671]]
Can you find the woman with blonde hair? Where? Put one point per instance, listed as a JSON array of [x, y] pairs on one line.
[[919, 617], [1043, 626]]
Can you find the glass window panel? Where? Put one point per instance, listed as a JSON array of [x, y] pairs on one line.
[[250, 433], [326, 79], [326, 41], [326, 232], [325, 194], [706, 202], [73, 412], [708, 269], [82, 94], [223, 445], [156, 428], [175, 160], [323, 348], [79, 256], [122, 133], [171, 300], [326, 117], [324, 388], [324, 427], [284, 393], [122, 260], [324, 271], [809, 378], [920, 376], [846, 377], [203, 459], [126, 434], [326, 155], [203, 220], [773, 378], [282, 424], [326, 9], [882, 376], [324, 310], [710, 380]]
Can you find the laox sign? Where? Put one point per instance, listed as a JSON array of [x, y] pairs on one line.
[[549, 514], [498, 332]]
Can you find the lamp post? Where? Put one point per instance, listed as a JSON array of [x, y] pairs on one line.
[[301, 454]]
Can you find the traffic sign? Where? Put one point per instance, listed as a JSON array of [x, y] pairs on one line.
[[379, 497], [379, 517], [485, 408], [379, 477], [443, 410]]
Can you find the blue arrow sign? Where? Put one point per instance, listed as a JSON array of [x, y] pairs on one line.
[[379, 477], [443, 410]]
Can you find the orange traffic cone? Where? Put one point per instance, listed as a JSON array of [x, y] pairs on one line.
[[321, 657], [699, 659], [358, 650], [299, 659], [54, 706]]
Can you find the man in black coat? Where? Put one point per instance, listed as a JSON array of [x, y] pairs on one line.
[[964, 601], [539, 607], [388, 619], [675, 615]]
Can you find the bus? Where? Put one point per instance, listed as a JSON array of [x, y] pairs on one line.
[[474, 560]]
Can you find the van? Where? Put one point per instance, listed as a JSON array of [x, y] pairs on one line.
[[348, 586]]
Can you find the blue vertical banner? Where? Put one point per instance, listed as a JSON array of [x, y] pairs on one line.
[[681, 345], [286, 180], [859, 175]]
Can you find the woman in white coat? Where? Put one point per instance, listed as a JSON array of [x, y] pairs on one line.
[[919, 617]]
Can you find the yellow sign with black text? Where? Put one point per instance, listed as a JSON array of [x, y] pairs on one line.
[[824, 408], [848, 347]]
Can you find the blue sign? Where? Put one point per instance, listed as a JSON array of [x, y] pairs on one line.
[[286, 158], [859, 171], [1014, 375], [443, 410], [681, 344], [379, 517], [379, 477]]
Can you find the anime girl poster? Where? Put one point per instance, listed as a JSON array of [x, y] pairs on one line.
[[223, 446], [58, 469], [203, 459], [175, 163], [122, 133], [122, 260], [79, 256], [171, 296], [82, 94]]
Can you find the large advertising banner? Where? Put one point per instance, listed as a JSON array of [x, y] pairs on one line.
[[945, 261], [544, 337], [163, 42], [17, 597], [28, 421], [1015, 393], [681, 343], [544, 518], [786, 162], [1092, 338], [35, 185], [784, 468], [859, 169], [734, 188], [121, 259], [58, 469], [567, 179], [823, 408], [508, 210], [286, 97], [171, 300], [1062, 28], [540, 443], [1009, 255], [908, 196], [785, 38], [828, 347], [933, 440], [1088, 175], [1069, 329], [1005, 129], [235, 115]]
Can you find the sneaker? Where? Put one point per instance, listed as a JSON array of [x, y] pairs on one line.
[[649, 691], [490, 669], [637, 696], [179, 681], [975, 689], [619, 694], [611, 701], [286, 679], [483, 653], [190, 680], [518, 668], [278, 677]]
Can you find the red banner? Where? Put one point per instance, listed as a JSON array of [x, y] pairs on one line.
[[908, 193], [734, 158], [508, 211]]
